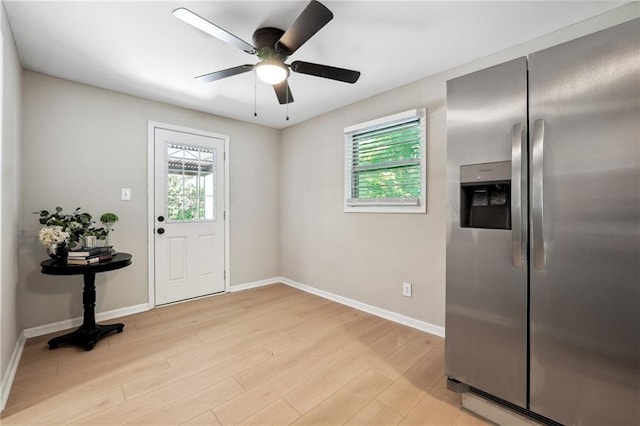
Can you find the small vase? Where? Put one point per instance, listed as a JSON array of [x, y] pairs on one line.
[[108, 242], [90, 241], [59, 252]]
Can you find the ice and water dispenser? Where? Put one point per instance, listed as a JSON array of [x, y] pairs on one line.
[[485, 195]]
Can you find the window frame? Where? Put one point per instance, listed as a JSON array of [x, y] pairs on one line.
[[386, 205]]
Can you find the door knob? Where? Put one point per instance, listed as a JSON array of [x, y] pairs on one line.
[[160, 218], [160, 231]]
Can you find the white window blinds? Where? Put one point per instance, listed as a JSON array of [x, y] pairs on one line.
[[385, 162]]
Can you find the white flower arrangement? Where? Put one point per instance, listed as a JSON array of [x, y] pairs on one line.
[[76, 225], [50, 235], [71, 228]]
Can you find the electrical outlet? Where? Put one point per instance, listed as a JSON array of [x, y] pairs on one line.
[[406, 289]]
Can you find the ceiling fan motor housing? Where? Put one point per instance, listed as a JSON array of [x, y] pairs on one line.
[[264, 40]]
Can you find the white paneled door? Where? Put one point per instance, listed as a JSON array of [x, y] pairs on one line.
[[189, 215]]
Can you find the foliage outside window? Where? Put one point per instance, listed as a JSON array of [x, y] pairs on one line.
[[385, 164], [190, 183]]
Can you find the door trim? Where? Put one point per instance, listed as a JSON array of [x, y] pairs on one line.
[[151, 202]]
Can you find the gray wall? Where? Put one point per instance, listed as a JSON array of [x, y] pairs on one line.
[[367, 256], [10, 327], [82, 144]]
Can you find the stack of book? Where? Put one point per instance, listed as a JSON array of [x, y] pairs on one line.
[[87, 256]]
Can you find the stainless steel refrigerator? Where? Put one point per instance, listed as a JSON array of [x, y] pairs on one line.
[[543, 232]]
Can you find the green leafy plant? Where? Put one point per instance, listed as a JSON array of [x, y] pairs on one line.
[[109, 218], [75, 225]]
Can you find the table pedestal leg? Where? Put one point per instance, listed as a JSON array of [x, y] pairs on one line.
[[88, 334]]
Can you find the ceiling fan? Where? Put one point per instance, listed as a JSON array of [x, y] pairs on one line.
[[273, 46]]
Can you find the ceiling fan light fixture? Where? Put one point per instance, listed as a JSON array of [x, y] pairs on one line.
[[272, 71]]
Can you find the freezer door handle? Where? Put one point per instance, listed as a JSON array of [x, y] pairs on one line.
[[518, 194], [537, 209]]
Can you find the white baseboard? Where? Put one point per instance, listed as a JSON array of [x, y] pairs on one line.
[[75, 322], [255, 284], [374, 310], [10, 373]]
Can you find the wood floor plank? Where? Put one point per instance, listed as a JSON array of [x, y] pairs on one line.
[[225, 367], [270, 355], [339, 346], [438, 406], [205, 419], [311, 328], [253, 376], [45, 372], [412, 386], [38, 353], [26, 395], [319, 387], [401, 359], [440, 391], [57, 410], [182, 410], [467, 418], [346, 402], [90, 364], [257, 398], [148, 401], [224, 347], [288, 359], [155, 326], [431, 411], [375, 413], [276, 413]]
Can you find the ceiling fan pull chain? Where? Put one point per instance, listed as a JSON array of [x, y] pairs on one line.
[[255, 95], [287, 117]]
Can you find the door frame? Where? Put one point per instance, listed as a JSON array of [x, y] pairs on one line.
[[152, 125]]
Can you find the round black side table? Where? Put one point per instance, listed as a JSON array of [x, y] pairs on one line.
[[88, 334]]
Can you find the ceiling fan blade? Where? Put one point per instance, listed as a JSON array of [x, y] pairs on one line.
[[202, 24], [312, 18], [283, 92], [325, 71], [218, 75]]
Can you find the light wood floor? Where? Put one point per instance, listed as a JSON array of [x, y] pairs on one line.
[[272, 355]]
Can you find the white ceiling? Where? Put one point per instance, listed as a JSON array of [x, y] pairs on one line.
[[139, 48]]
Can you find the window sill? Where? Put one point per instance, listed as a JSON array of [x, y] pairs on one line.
[[386, 209]]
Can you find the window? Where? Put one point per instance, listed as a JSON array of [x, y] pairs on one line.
[[190, 183], [385, 164]]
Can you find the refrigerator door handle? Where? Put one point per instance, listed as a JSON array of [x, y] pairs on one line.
[[518, 190], [537, 209]]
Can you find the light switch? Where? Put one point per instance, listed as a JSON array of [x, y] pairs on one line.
[[126, 194]]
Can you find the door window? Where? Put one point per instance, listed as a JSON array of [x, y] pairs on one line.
[[191, 183]]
